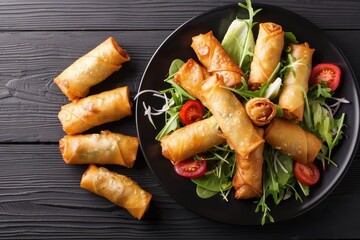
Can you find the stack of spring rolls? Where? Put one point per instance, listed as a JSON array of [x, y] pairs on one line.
[[245, 126], [86, 112]]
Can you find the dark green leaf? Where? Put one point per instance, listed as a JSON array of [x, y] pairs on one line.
[[204, 193], [175, 66]]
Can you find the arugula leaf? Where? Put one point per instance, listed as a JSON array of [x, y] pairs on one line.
[[239, 41], [172, 123], [278, 180], [264, 208], [177, 99], [292, 62], [319, 119], [305, 189], [246, 93], [289, 37]]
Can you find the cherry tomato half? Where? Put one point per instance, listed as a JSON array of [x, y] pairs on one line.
[[190, 168], [191, 112], [306, 174], [328, 73]]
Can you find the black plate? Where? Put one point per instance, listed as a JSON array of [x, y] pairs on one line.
[[177, 45]]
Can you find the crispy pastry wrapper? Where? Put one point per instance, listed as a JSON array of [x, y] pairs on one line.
[[231, 116], [192, 139], [117, 188], [267, 53], [215, 59], [191, 76], [91, 69], [295, 84], [301, 145], [103, 148], [94, 110], [247, 180], [260, 110]]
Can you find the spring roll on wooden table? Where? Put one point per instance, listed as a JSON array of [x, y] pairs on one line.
[[91, 69], [191, 76], [267, 53], [94, 110], [247, 180], [192, 139], [117, 188], [231, 116], [215, 59], [301, 145], [103, 148], [295, 84]]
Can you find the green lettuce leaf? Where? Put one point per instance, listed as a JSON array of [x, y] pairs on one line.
[[239, 41]]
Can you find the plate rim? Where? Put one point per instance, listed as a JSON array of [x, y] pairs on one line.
[[333, 43]]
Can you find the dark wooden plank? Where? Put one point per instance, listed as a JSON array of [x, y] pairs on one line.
[[143, 15], [40, 198], [30, 101]]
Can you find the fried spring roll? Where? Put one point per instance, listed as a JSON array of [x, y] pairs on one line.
[[231, 116], [260, 111], [192, 139], [295, 84], [302, 146], [95, 110], [117, 188], [247, 180], [215, 59], [267, 53], [103, 148], [91, 69], [191, 76]]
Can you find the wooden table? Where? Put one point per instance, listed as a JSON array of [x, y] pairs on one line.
[[40, 197]]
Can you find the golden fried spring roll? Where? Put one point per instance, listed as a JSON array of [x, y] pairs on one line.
[[247, 180], [192, 139], [91, 69], [95, 110], [103, 148], [231, 116], [295, 84], [191, 76], [302, 146], [267, 53], [260, 111], [117, 188], [215, 59]]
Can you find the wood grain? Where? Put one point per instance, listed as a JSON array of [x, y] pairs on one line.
[[143, 15], [29, 99], [40, 196]]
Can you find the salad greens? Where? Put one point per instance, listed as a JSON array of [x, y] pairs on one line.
[[246, 93], [239, 40], [319, 119], [279, 182], [221, 162]]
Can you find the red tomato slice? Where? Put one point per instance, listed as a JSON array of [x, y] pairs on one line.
[[306, 174], [191, 112], [328, 73], [190, 168]]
